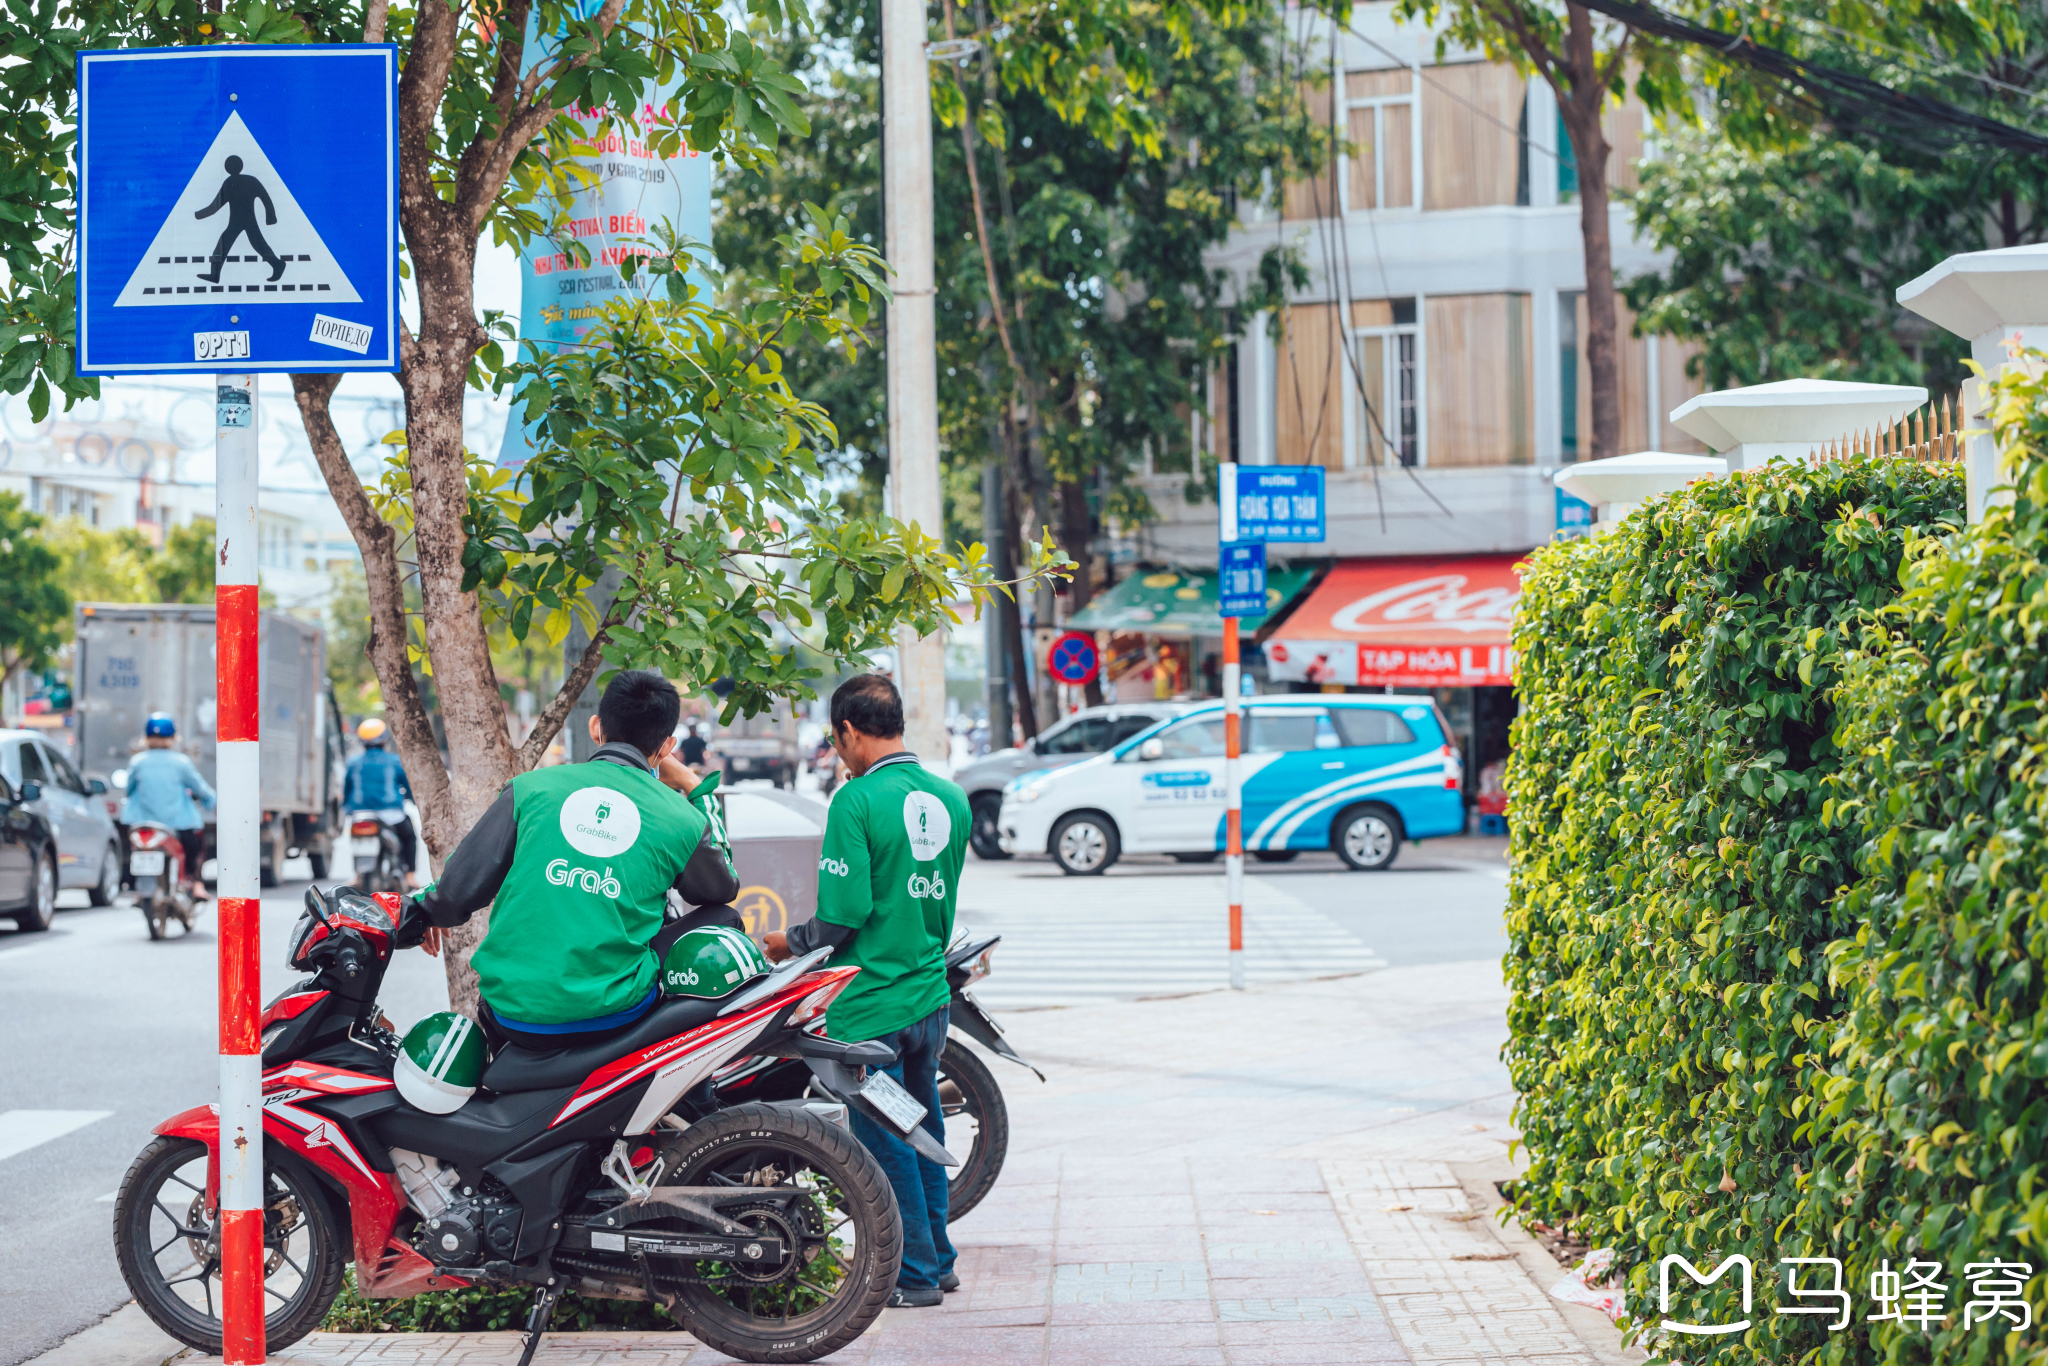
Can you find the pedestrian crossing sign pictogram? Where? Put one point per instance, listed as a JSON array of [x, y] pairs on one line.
[[238, 209]]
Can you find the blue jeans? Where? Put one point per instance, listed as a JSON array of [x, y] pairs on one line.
[[919, 1182]]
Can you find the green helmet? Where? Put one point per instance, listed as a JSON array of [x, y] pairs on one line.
[[440, 1063], [711, 962]]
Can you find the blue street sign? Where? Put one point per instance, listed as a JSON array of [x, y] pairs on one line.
[[238, 209], [1574, 515], [1270, 503], [1241, 589]]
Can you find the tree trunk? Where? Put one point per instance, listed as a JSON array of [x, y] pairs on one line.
[[1077, 536], [1580, 99], [1019, 652]]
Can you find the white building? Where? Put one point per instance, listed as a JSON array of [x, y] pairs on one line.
[[1447, 254]]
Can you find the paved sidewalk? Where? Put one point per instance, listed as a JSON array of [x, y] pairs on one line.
[[1291, 1176]]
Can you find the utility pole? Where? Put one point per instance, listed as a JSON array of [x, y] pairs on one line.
[[993, 618], [912, 359]]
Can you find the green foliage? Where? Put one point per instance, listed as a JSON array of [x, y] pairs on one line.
[[120, 565], [485, 1309], [1677, 849], [35, 611], [1097, 228], [1929, 1122], [496, 153], [672, 446], [1783, 263]]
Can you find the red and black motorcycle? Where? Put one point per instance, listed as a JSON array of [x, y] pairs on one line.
[[611, 1170], [156, 865]]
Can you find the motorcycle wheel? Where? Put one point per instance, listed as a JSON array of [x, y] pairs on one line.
[[811, 1308], [153, 916], [172, 1277], [977, 1127]]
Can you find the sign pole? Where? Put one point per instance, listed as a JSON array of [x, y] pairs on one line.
[[1233, 805], [238, 822]]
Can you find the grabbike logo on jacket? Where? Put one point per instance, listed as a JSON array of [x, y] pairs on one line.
[[597, 848]]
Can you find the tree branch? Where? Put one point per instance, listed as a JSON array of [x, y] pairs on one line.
[[378, 542], [374, 20], [549, 722]]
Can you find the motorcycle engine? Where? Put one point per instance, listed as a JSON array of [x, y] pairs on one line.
[[470, 1232]]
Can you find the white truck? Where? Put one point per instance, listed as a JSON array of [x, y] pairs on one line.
[[763, 746], [135, 659]]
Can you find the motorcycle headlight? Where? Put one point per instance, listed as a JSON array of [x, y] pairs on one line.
[[271, 1033]]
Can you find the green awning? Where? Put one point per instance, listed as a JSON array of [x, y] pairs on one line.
[[1171, 602]]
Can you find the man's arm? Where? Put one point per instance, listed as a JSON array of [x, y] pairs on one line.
[[196, 785], [846, 896], [218, 200], [477, 868], [708, 878]]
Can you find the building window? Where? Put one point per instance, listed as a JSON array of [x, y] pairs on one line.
[[1379, 123], [1568, 305], [1387, 382]]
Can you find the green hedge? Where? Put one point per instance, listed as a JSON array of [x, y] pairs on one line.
[[1677, 859], [485, 1309], [1934, 1126]]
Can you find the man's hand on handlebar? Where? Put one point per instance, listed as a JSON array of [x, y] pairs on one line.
[[776, 943]]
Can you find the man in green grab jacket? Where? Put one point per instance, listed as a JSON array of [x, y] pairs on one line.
[[576, 863], [895, 842]]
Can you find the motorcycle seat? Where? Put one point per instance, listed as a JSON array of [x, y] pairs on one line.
[[522, 1069]]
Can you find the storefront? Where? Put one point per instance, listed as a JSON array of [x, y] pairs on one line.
[[1160, 635], [1412, 624]]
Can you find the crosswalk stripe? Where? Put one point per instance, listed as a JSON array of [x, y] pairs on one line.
[[1142, 936], [21, 1130]]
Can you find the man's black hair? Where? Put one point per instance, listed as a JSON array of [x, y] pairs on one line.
[[639, 707], [870, 704]]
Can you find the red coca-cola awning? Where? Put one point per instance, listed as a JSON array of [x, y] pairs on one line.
[[1411, 622]]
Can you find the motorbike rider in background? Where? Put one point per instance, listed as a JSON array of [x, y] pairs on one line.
[[162, 785], [576, 863], [376, 782]]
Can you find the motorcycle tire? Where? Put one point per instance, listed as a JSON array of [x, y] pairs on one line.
[[987, 835], [153, 916], [170, 1174], [968, 1091], [725, 1318]]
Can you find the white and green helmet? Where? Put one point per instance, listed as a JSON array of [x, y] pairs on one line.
[[715, 961], [440, 1063]]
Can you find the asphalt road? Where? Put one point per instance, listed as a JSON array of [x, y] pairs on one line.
[[118, 1033], [98, 1021]]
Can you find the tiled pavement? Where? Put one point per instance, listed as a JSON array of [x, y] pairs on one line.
[[1282, 1177]]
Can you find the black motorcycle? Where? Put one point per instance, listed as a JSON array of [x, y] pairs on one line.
[[380, 857], [977, 1120]]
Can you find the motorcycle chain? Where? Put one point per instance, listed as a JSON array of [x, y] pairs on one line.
[[617, 1272]]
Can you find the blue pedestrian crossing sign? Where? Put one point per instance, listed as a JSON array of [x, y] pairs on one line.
[[1241, 583], [238, 209]]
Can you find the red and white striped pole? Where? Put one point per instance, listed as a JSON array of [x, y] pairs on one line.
[[239, 824], [1233, 798], [1233, 805]]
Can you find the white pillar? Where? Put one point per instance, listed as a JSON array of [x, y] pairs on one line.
[[912, 360], [1618, 485], [1790, 417], [1994, 298]]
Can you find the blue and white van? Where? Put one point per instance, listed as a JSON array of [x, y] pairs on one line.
[[1351, 773]]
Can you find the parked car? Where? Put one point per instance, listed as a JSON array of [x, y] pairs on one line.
[[85, 844], [1356, 774], [1071, 739]]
